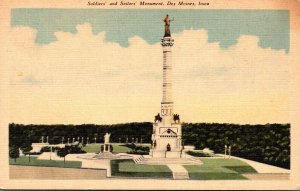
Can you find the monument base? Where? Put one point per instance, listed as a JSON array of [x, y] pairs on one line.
[[165, 154], [106, 155], [106, 148]]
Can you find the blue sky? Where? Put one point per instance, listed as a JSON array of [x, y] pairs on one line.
[[237, 70], [223, 26]]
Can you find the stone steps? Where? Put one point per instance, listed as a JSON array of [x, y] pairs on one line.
[[138, 159], [180, 175], [160, 161], [179, 172]]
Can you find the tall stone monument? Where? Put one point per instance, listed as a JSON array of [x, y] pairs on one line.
[[166, 137]]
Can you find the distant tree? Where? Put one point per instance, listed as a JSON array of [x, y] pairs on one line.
[[62, 152], [26, 150], [14, 153]]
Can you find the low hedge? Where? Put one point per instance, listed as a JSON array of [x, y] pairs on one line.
[[198, 154]]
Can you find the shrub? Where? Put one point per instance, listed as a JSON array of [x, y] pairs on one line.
[[14, 153], [35, 153], [130, 145], [48, 149], [74, 149], [63, 152], [198, 154], [139, 150]]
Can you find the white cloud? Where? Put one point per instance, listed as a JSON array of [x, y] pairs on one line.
[[81, 78]]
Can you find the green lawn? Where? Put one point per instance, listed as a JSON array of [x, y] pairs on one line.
[[121, 149], [95, 148], [127, 168], [219, 169], [49, 163], [91, 148]]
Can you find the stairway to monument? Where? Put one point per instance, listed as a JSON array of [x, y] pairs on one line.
[[138, 159], [179, 172], [180, 175], [166, 161]]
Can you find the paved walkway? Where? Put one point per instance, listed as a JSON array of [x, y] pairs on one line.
[[179, 172], [98, 164], [54, 173], [84, 158], [261, 167], [268, 176]]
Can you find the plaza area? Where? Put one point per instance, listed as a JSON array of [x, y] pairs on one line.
[[130, 166]]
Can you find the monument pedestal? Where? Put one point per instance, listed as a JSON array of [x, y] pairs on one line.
[[165, 154], [166, 140], [106, 148], [173, 154]]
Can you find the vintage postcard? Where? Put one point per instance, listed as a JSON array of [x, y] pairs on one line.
[[132, 94]]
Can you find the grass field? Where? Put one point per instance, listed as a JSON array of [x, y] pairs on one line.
[[121, 149], [49, 163], [127, 168], [91, 148], [219, 169], [95, 148]]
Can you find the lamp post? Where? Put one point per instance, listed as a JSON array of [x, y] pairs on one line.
[[50, 152], [225, 148]]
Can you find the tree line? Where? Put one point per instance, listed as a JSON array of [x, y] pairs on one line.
[[269, 143]]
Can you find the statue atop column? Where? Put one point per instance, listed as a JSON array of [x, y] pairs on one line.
[[106, 138], [106, 147], [167, 21]]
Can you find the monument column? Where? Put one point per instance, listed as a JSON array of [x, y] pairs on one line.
[[167, 103]]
